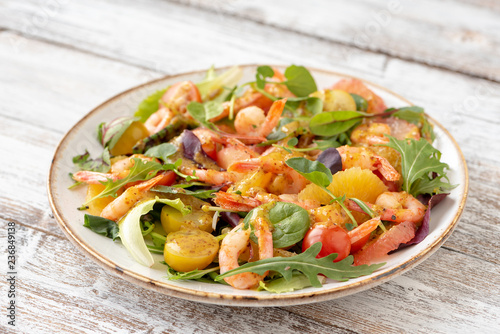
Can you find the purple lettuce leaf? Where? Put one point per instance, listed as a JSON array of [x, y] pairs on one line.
[[331, 159]]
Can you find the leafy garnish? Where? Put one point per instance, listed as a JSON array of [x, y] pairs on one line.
[[290, 222], [149, 105], [261, 74], [102, 164], [162, 151], [194, 274], [361, 103], [102, 226], [109, 133], [200, 113], [212, 86], [281, 285], [201, 194], [332, 123], [422, 170], [141, 171], [416, 115], [309, 265], [299, 81]]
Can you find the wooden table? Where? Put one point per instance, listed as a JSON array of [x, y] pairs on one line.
[[61, 58]]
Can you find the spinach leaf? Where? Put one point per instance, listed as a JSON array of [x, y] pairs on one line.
[[102, 226], [313, 171], [332, 123], [290, 222], [299, 81]]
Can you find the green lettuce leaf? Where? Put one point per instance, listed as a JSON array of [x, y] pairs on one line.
[[102, 226], [149, 105]]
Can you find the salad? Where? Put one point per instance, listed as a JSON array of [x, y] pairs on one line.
[[271, 184]]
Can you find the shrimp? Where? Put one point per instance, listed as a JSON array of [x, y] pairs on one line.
[[251, 120], [371, 134], [123, 203], [397, 207], [236, 202], [374, 133], [119, 170], [235, 243], [211, 176], [365, 159], [159, 120]]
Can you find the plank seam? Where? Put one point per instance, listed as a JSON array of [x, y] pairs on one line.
[[36, 228], [374, 50]]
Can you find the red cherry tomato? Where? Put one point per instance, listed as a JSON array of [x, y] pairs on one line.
[[178, 96], [333, 238]]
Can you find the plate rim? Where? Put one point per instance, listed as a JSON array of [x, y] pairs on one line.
[[241, 300]]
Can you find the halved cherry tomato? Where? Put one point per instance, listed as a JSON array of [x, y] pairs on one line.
[[178, 96], [333, 238]]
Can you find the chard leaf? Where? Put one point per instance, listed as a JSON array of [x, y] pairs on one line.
[[309, 265], [102, 226], [299, 81], [162, 151], [149, 105], [141, 171], [422, 170], [290, 222], [201, 194], [130, 228], [102, 164], [314, 171], [281, 285], [109, 133], [332, 123]]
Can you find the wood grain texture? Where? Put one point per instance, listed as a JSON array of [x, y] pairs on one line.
[[55, 67], [75, 296]]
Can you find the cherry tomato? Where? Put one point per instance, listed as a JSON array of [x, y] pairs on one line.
[[178, 96], [333, 238]]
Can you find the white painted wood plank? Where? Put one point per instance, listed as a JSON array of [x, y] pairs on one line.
[[62, 291], [460, 36]]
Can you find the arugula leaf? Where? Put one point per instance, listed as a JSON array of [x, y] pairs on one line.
[[290, 222], [313, 171], [141, 171], [309, 265], [162, 151], [194, 274], [102, 164], [332, 123], [422, 170], [201, 194], [102, 226], [299, 81], [281, 285], [149, 105]]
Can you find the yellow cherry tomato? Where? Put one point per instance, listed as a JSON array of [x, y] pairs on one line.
[[96, 206], [190, 249], [172, 220], [336, 100], [135, 132]]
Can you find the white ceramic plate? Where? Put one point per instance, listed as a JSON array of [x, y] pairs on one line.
[[113, 257]]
